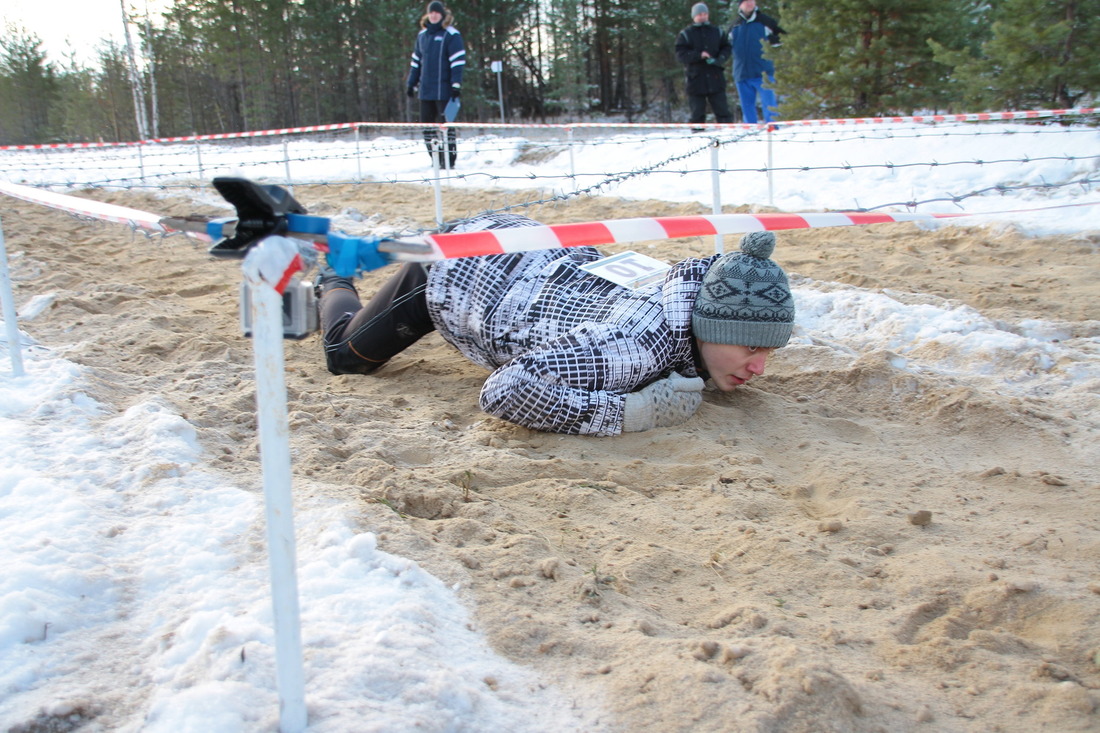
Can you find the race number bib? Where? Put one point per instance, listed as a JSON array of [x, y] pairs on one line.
[[631, 269]]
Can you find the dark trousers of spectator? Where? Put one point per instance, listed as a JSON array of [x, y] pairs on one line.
[[431, 110], [697, 103]]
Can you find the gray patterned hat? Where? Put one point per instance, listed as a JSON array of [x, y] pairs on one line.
[[745, 298]]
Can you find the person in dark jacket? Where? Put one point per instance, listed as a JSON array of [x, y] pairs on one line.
[[570, 351], [438, 60], [747, 35], [703, 50]]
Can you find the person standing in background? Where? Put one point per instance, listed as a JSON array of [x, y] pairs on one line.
[[438, 60], [747, 35], [703, 49]]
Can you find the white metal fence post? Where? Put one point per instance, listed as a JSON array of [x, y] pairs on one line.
[[572, 162], [271, 414], [437, 156], [771, 188], [716, 192], [358, 157], [198, 152], [286, 165], [12, 329]]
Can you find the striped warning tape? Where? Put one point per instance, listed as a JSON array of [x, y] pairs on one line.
[[498, 241], [617, 231], [134, 218], [1005, 116]]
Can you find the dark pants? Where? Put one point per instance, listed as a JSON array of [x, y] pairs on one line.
[[431, 110], [360, 339], [718, 102]]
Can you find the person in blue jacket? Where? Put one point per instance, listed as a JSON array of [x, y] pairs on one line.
[[438, 60], [747, 35]]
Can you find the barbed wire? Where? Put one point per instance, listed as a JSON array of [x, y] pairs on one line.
[[787, 134], [1085, 183], [130, 181], [410, 147], [606, 179], [169, 178]]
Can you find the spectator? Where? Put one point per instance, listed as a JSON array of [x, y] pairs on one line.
[[703, 50], [438, 60], [570, 351], [747, 34]]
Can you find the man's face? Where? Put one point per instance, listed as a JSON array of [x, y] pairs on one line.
[[747, 6], [434, 16], [701, 18], [731, 365]]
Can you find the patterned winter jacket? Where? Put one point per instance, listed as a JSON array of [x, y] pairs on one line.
[[565, 345], [438, 60]]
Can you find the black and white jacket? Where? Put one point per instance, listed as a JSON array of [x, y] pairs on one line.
[[564, 345]]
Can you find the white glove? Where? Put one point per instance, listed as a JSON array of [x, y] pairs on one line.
[[666, 402]]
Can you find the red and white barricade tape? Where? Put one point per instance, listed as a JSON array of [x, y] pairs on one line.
[[498, 241], [1005, 116], [133, 218], [618, 231]]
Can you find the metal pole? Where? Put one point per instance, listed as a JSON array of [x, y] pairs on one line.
[[716, 192], [286, 165], [498, 67], [436, 145], [358, 160], [8, 302], [198, 151], [271, 417], [141, 163], [444, 145], [771, 197], [572, 162]]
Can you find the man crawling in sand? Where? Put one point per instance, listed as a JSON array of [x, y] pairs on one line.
[[572, 352]]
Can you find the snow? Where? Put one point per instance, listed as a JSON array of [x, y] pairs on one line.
[[117, 534], [882, 167], [114, 531]]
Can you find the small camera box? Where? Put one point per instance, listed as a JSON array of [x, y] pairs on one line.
[[299, 310]]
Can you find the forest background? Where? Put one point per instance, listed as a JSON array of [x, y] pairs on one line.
[[216, 66]]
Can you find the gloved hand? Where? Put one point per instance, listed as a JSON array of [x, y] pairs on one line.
[[666, 402], [410, 91], [456, 93], [712, 61]]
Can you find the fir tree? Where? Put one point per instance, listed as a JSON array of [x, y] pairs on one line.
[[1040, 53], [858, 58], [28, 88]]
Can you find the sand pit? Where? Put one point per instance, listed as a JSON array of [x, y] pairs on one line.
[[762, 567]]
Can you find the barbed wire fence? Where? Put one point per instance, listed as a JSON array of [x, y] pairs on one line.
[[553, 164]]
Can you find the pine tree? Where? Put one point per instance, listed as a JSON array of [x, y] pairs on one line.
[[856, 58], [28, 88], [1039, 53]]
